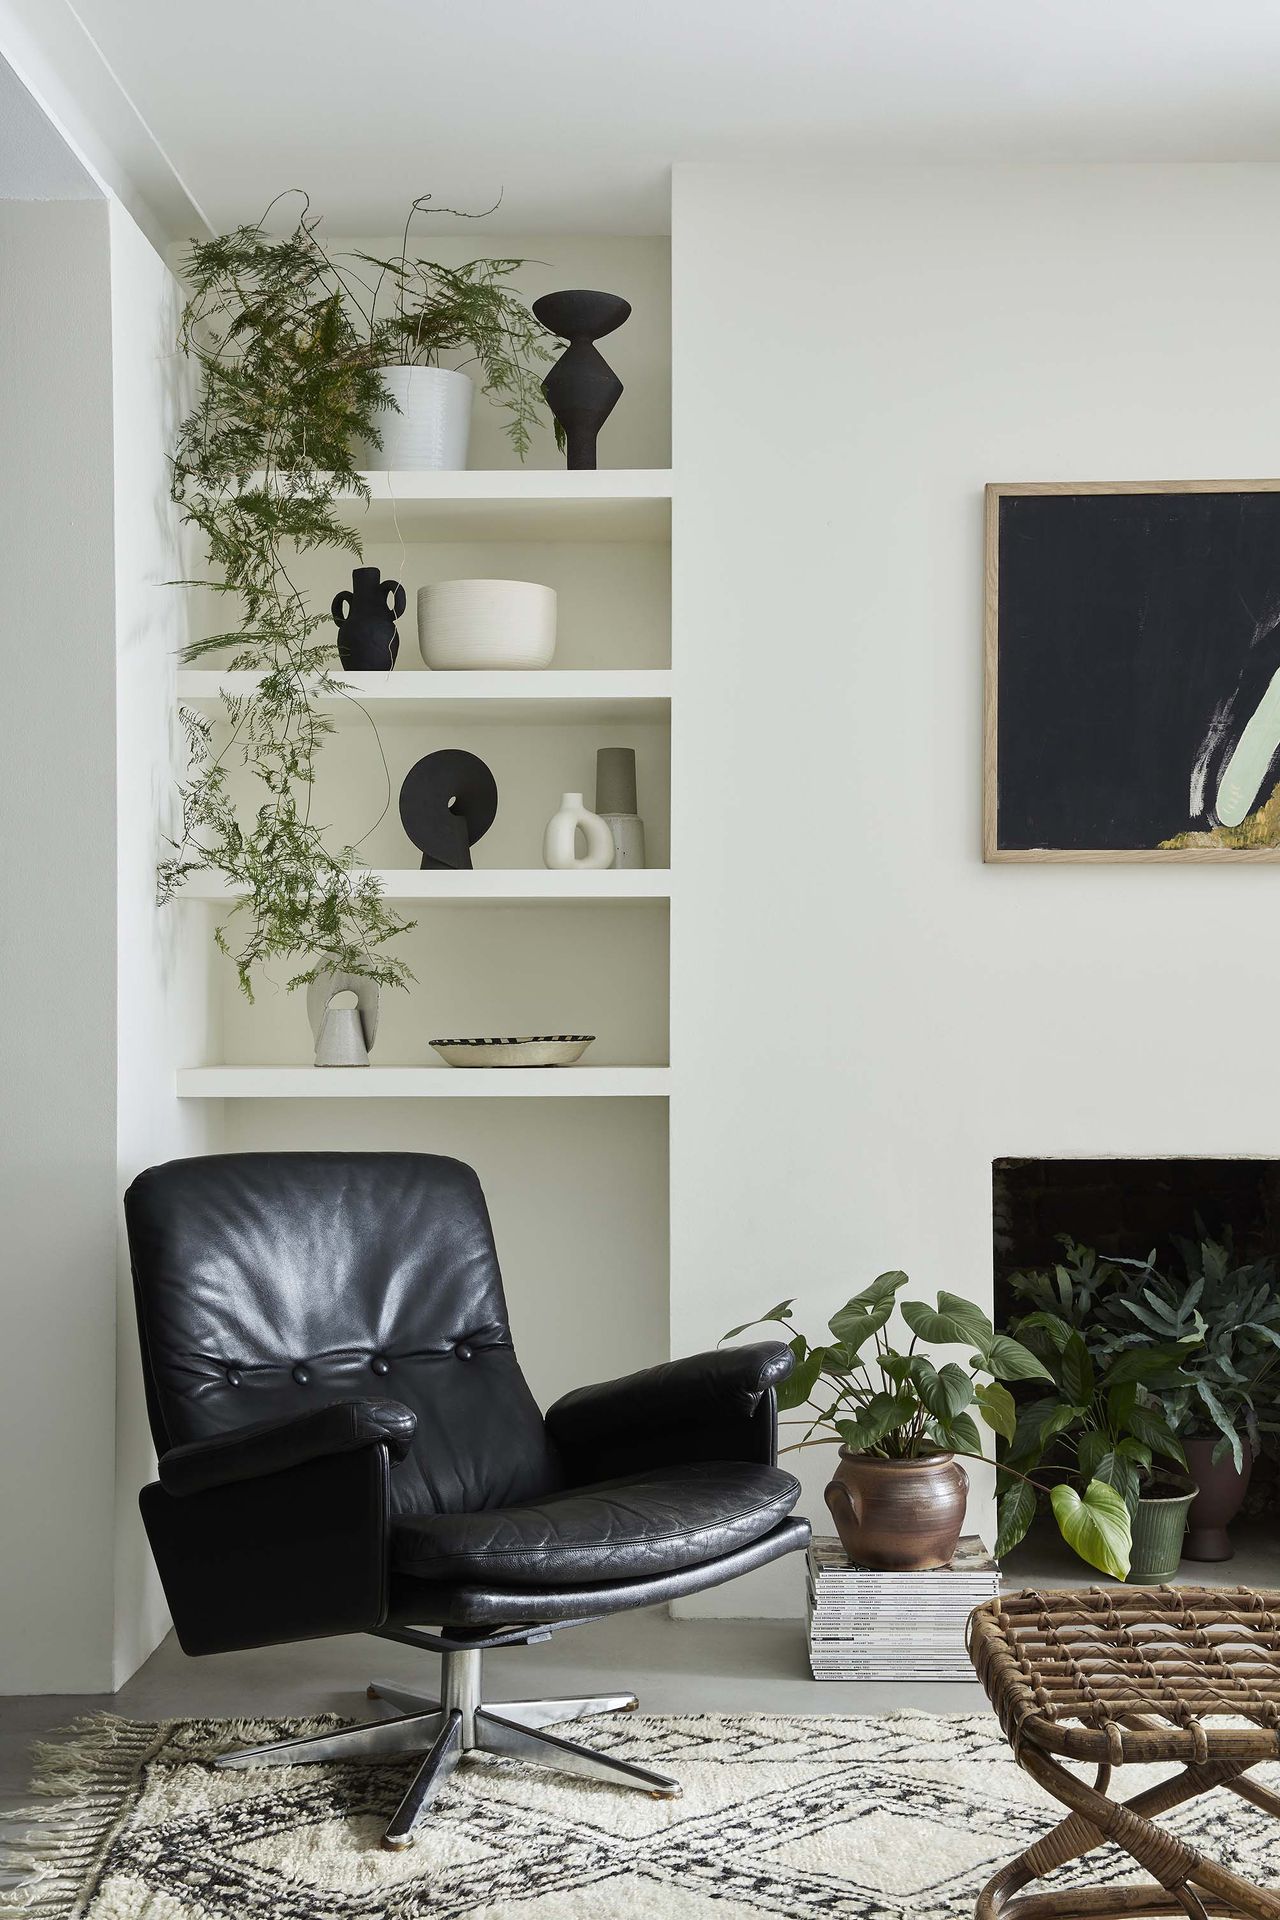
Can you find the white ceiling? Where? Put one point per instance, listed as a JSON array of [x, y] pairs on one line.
[[575, 110]]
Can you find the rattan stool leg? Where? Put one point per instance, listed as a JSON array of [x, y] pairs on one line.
[[1184, 1882]]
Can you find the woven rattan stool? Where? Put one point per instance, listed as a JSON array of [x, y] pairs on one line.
[[1120, 1675]]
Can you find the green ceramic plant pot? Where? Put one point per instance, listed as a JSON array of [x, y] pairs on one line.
[[1159, 1523]]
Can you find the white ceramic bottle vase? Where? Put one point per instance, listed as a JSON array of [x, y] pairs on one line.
[[560, 841]]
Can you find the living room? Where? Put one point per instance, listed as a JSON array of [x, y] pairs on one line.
[[786, 808]]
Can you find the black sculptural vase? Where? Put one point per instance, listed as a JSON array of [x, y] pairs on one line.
[[366, 617], [582, 389], [447, 802]]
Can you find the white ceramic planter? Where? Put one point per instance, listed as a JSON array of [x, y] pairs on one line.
[[487, 623], [433, 426]]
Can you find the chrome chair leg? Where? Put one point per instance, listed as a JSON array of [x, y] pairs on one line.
[[381, 1740], [512, 1742], [402, 1697], [444, 1732], [551, 1713], [426, 1784]]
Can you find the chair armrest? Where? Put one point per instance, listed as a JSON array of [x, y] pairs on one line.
[[271, 1446], [709, 1406], [291, 1555]]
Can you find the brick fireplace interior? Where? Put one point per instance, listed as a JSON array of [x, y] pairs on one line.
[[1125, 1208]]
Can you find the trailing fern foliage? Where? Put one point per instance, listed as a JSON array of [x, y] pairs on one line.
[[288, 344]]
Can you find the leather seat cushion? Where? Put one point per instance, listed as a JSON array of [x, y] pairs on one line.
[[647, 1523]]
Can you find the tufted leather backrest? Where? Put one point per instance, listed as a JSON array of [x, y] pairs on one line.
[[269, 1283]]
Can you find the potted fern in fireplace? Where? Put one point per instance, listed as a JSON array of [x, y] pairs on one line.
[[1217, 1324], [1103, 1418], [1226, 1313], [903, 1420]]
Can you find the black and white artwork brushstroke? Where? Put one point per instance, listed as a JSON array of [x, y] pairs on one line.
[[1133, 660]]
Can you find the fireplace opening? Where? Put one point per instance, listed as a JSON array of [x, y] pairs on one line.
[[1127, 1210]]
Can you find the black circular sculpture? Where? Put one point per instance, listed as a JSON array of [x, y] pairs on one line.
[[448, 801], [582, 389]]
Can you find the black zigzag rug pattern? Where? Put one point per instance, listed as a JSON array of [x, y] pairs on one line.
[[897, 1817]]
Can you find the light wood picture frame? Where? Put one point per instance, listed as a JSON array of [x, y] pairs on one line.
[[1132, 671]]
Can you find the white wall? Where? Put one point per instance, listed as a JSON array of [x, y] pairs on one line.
[[864, 1015], [165, 1003], [57, 951], [105, 990]]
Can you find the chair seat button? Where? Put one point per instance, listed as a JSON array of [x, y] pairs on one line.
[[380, 1364], [302, 1376], [234, 1376], [463, 1351]]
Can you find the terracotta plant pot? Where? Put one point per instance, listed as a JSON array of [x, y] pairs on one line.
[[1221, 1495], [898, 1515]]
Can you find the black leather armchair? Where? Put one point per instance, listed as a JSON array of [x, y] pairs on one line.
[[346, 1444]]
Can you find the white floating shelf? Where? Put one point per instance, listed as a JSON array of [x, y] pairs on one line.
[[419, 1083], [631, 503], [495, 884], [408, 694]]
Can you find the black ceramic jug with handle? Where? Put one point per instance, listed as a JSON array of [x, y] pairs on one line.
[[366, 617]]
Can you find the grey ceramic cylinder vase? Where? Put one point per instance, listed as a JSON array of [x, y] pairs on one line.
[[616, 804]]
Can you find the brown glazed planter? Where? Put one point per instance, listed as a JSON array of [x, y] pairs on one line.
[[1221, 1495], [898, 1515]]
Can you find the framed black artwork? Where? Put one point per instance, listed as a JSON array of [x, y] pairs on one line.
[[1132, 707]]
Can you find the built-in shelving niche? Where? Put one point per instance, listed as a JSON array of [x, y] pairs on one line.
[[573, 1161]]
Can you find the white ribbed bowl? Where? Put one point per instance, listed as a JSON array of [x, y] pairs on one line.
[[431, 431], [487, 623]]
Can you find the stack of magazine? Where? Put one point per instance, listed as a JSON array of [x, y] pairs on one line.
[[865, 1625]]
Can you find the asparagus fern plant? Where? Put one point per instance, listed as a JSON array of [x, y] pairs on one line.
[[288, 344]]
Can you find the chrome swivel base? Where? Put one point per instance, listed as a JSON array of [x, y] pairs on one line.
[[445, 1730]]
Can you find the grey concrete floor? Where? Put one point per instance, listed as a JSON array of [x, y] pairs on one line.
[[675, 1666]]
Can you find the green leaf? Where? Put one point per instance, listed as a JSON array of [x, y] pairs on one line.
[[1093, 1447], [856, 1322], [1059, 1419], [1056, 1331], [1077, 1371], [1154, 1431], [1222, 1420], [883, 1414], [1016, 1509], [954, 1322], [944, 1392], [1095, 1525], [1146, 1365], [1114, 1470], [960, 1433], [794, 1391], [781, 1312], [1121, 1402], [1009, 1360], [885, 1286], [997, 1407]]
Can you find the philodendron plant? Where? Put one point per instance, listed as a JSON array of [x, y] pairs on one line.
[[898, 1403], [1101, 1420]]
